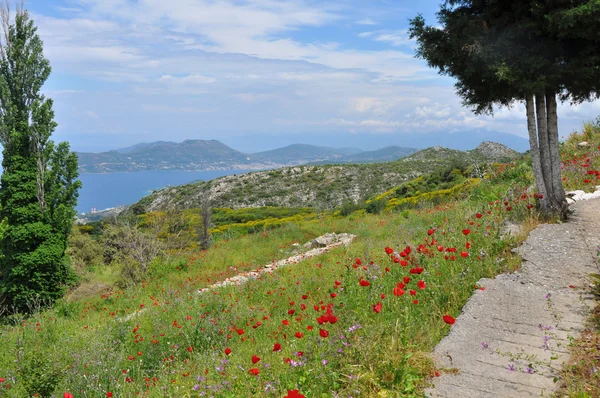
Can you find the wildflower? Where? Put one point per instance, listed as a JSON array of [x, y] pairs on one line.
[[377, 307], [68, 395], [448, 319], [277, 347], [227, 351], [254, 371], [466, 232], [323, 333], [324, 362], [364, 282], [255, 359], [421, 285], [294, 394], [511, 367], [484, 345]]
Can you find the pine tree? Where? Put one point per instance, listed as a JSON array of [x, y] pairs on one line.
[[506, 51], [38, 187]]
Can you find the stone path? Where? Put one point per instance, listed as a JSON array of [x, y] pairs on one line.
[[321, 245], [512, 337]]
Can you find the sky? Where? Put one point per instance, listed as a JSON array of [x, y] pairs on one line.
[[251, 73]]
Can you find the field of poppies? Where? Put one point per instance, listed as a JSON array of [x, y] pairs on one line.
[[357, 321]]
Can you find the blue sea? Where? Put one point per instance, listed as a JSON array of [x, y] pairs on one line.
[[102, 191]]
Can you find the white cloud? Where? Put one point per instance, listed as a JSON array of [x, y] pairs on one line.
[[91, 114], [366, 21], [185, 80]]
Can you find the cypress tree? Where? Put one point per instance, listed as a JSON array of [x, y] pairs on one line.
[[38, 187]]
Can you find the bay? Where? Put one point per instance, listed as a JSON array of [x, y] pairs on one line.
[[103, 191]]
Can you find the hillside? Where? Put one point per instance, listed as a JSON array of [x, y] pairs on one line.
[[321, 187], [204, 155]]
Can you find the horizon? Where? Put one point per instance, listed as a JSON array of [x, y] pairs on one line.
[[252, 71]]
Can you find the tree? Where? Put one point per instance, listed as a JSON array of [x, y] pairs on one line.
[[38, 187], [506, 51]]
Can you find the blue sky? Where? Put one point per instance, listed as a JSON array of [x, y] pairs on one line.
[[128, 71]]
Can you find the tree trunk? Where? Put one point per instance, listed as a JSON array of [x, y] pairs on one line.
[[560, 201], [542, 133], [535, 152]]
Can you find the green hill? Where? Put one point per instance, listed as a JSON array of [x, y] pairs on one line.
[[320, 187]]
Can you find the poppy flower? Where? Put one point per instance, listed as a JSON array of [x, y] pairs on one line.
[[430, 232], [412, 292], [448, 319], [255, 359], [478, 215], [464, 254], [276, 347], [364, 282], [323, 333], [377, 307], [109, 394], [406, 280], [398, 291], [294, 394], [421, 285], [285, 322], [466, 232], [254, 371], [227, 351], [68, 395], [240, 331], [299, 335], [389, 250], [416, 270]]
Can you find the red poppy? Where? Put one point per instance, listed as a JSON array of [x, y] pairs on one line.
[[294, 394], [227, 351], [449, 320], [416, 270], [254, 371], [430, 232], [299, 335], [323, 333], [415, 302], [421, 285], [277, 347], [406, 279], [68, 395], [377, 307], [364, 282], [255, 359], [412, 292], [389, 250], [464, 254], [478, 215], [398, 291], [466, 232], [109, 394], [240, 331]]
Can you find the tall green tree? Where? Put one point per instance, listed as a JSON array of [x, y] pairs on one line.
[[506, 51], [38, 187]]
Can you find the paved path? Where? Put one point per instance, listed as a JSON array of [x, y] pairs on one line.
[[512, 337]]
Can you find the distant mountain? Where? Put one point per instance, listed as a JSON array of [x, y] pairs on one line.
[[303, 153], [200, 155], [143, 145], [387, 154]]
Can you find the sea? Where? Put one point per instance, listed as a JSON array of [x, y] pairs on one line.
[[104, 191]]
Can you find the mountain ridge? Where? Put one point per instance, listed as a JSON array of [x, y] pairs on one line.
[[205, 155]]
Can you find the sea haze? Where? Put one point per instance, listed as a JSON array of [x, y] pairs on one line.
[[103, 191]]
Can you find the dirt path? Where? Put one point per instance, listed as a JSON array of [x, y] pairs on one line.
[[512, 337]]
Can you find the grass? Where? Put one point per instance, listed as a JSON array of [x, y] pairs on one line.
[[356, 321]]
